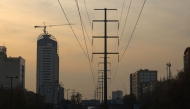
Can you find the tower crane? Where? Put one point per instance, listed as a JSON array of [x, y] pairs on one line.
[[51, 26]]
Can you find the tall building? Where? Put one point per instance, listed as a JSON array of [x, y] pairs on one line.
[[186, 59], [11, 67], [47, 76], [117, 94], [140, 77]]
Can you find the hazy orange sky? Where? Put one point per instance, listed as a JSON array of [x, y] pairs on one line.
[[161, 36]]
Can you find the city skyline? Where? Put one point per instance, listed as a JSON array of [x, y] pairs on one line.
[[161, 36]]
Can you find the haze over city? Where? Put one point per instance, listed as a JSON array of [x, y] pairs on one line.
[[161, 36]]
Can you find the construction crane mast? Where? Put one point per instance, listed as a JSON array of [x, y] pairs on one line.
[[44, 30]]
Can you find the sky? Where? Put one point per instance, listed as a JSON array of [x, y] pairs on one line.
[[161, 36]]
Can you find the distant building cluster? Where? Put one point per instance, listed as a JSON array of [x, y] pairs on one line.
[[11, 67], [47, 70], [117, 94], [145, 81], [142, 80]]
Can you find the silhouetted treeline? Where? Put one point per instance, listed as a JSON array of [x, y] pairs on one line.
[[168, 94], [21, 99], [129, 101], [76, 101]]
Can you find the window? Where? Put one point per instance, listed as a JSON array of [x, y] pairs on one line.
[[46, 74]]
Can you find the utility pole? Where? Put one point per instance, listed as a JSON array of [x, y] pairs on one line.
[[95, 93], [11, 77], [102, 78], [73, 92], [102, 84], [67, 93], [105, 50], [98, 87]]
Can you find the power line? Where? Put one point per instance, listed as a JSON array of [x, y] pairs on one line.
[[115, 72], [129, 40], [75, 36], [133, 30], [72, 29], [87, 13], [95, 59], [125, 20], [114, 56], [94, 50], [82, 24], [116, 16], [88, 19], [122, 10], [92, 73]]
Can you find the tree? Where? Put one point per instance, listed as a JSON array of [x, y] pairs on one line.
[[178, 92], [22, 99], [129, 101], [76, 100]]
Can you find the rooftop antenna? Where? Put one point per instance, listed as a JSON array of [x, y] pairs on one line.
[[168, 65]]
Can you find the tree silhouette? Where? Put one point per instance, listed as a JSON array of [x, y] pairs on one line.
[[76, 100]]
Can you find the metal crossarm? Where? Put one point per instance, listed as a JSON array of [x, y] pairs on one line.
[[103, 70], [104, 53], [106, 20], [104, 36]]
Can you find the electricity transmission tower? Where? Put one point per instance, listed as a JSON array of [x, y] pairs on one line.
[[105, 50]]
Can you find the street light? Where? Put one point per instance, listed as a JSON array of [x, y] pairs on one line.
[[11, 77]]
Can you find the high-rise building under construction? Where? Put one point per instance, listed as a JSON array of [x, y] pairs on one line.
[[47, 73]]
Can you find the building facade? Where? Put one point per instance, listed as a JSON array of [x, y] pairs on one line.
[[186, 59], [47, 76], [117, 94], [147, 87], [140, 77], [11, 67]]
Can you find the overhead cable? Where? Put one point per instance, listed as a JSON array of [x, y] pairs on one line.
[[75, 35], [125, 20], [122, 10], [133, 30], [129, 40], [72, 29], [87, 13], [82, 25]]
